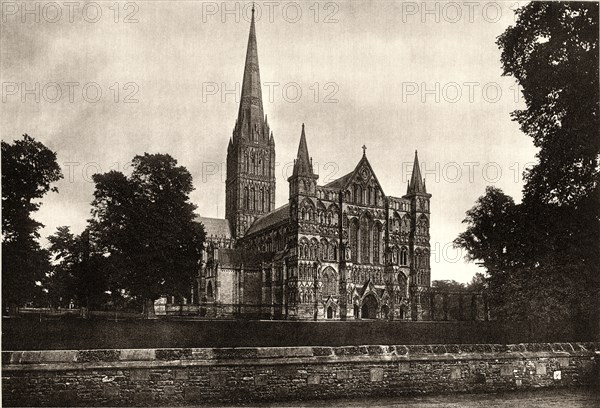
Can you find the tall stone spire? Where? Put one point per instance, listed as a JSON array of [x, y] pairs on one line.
[[251, 116], [303, 164], [250, 184], [303, 180], [416, 184]]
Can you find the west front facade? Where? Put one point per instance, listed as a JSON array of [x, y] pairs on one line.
[[345, 250]]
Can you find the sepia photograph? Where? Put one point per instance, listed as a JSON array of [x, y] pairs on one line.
[[305, 203]]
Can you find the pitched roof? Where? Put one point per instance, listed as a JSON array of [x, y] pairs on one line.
[[274, 217], [215, 227], [340, 182], [234, 258]]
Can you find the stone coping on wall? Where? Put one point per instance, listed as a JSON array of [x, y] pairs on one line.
[[52, 360]]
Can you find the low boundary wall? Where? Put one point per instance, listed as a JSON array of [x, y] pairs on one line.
[[211, 376]]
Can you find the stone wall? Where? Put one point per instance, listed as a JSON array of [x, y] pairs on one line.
[[212, 376]]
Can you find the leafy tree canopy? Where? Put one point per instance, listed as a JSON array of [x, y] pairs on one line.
[[542, 256], [28, 170], [145, 225], [552, 51]]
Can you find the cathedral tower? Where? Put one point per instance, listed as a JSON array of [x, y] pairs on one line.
[[420, 271], [303, 181], [250, 184]]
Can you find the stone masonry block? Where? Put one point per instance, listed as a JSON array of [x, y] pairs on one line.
[[217, 379], [261, 379], [588, 366], [506, 370], [404, 367], [112, 391], [181, 374], [376, 374], [192, 393], [142, 397], [455, 373], [140, 374], [540, 368], [344, 374], [65, 397], [169, 390], [314, 379], [137, 354], [57, 356]]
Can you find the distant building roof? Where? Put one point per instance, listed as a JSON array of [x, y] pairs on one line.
[[235, 258], [215, 227], [340, 182], [274, 217]]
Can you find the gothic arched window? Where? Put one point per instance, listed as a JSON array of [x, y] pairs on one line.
[[365, 239], [324, 246], [268, 200], [396, 223], [354, 240], [403, 256], [329, 282], [357, 194], [376, 242], [246, 199], [423, 225], [405, 228]]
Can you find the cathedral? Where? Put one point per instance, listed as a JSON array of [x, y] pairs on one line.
[[344, 250]]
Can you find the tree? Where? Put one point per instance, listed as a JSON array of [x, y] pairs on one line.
[[28, 170], [535, 271], [144, 224], [542, 256], [490, 228], [552, 51], [77, 271]]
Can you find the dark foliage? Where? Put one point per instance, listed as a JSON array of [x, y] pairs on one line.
[[78, 272], [144, 225], [28, 170], [543, 255]]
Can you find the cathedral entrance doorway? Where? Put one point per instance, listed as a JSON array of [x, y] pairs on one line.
[[369, 308], [330, 312]]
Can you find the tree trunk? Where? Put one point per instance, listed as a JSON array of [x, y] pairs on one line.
[[149, 309]]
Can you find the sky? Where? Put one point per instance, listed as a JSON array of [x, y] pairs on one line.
[[99, 82]]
